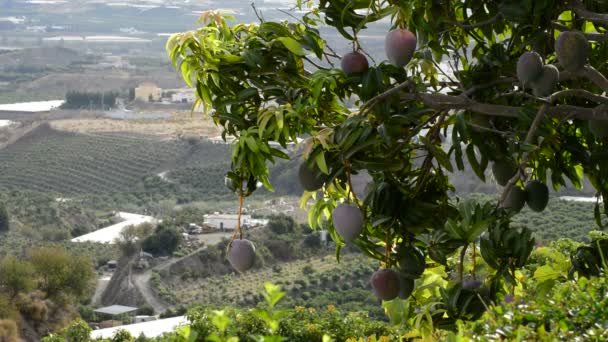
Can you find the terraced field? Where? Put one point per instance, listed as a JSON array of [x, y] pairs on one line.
[[296, 277], [70, 163]]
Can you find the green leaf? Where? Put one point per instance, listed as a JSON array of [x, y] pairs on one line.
[[546, 272], [252, 144], [479, 171], [441, 157], [597, 215], [292, 45], [320, 159]]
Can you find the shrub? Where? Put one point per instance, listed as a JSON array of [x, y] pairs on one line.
[[146, 310], [164, 241], [8, 331], [33, 307]]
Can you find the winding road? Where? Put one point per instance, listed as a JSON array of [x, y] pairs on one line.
[[142, 280]]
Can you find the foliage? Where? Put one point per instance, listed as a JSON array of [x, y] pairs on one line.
[[281, 224], [62, 273], [272, 82], [8, 330], [86, 100], [130, 238], [16, 276], [164, 241], [575, 310], [77, 331], [266, 323], [4, 218]]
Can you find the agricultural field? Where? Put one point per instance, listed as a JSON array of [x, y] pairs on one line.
[[49, 160], [68, 163], [307, 281], [179, 125], [561, 219]]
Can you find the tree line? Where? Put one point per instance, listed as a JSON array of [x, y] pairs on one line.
[[90, 100]]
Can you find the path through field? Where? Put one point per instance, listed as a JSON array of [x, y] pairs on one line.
[[142, 280]]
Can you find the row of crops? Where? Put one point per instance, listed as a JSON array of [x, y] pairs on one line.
[[48, 160]]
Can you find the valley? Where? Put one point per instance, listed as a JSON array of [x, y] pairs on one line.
[[116, 188]]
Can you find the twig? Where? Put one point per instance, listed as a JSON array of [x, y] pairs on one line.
[[461, 266], [238, 222], [474, 259], [475, 88], [476, 25], [374, 100], [526, 156], [350, 186], [257, 13], [522, 94], [387, 250], [482, 128]]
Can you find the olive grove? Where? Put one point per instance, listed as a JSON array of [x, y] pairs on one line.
[[517, 87]]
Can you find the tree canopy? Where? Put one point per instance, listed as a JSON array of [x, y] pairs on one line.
[[515, 86]]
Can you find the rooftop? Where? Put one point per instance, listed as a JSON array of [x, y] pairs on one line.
[[116, 310]]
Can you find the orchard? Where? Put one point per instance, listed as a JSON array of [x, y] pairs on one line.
[[513, 87]]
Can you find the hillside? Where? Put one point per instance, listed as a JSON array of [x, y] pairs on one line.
[[70, 163], [40, 57]]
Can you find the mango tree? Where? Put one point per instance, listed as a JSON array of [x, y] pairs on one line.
[[515, 87]]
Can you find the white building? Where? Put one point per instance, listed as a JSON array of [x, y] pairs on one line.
[[185, 95], [227, 221]]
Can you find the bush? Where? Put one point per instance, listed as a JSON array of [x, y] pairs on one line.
[[8, 331], [308, 270], [7, 309], [33, 307], [122, 335], [146, 310], [164, 241], [281, 224]]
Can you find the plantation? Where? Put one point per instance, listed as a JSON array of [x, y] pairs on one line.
[[47, 160], [313, 282], [66, 163], [510, 92]]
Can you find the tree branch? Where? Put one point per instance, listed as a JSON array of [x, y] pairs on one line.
[[451, 102], [580, 9], [374, 100], [591, 36], [497, 81], [578, 93], [595, 76], [588, 72]]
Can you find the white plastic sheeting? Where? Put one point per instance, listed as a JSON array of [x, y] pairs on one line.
[[39, 106], [149, 329], [109, 234]]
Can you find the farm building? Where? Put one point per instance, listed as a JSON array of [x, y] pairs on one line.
[[226, 221], [183, 96], [148, 91]]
